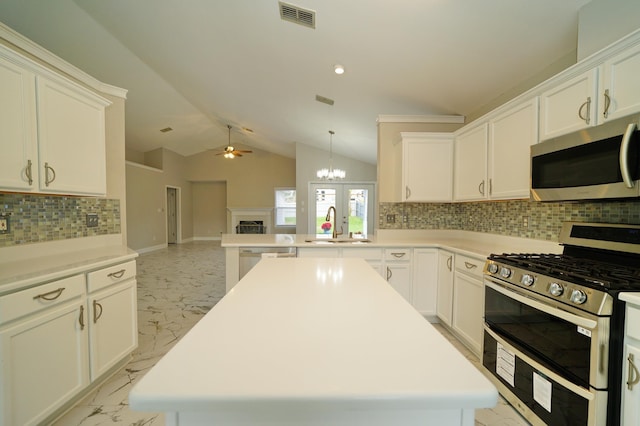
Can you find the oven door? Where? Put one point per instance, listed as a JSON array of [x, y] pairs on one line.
[[571, 344], [550, 364]]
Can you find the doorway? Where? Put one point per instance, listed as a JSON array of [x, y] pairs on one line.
[[173, 210], [353, 203]]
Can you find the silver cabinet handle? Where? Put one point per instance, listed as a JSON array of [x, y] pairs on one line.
[[607, 103], [117, 274], [586, 118], [81, 317], [633, 377], [449, 262], [481, 187], [52, 295], [27, 172], [47, 167], [407, 192], [624, 156], [470, 265], [96, 315], [389, 274], [490, 186], [398, 255]]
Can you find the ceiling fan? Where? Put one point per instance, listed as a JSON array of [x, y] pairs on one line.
[[230, 151]]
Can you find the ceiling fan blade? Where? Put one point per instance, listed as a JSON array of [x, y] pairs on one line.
[[246, 151]]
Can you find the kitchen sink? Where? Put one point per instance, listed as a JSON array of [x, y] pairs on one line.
[[338, 241]]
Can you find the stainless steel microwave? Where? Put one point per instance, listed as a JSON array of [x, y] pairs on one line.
[[595, 163]]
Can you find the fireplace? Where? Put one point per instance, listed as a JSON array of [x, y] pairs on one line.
[[251, 227]]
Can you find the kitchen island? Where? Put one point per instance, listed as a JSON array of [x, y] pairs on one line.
[[315, 342]]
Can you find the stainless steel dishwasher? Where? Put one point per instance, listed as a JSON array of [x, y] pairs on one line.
[[250, 256]]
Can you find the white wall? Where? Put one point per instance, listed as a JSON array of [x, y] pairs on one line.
[[601, 22], [308, 161]]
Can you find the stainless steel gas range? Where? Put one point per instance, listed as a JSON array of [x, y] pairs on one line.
[[554, 325]]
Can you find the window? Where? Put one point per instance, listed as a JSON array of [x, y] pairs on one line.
[[285, 207]]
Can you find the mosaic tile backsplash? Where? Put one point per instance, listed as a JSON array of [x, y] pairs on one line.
[[43, 218], [516, 218]]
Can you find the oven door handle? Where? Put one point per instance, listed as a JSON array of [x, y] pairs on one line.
[[624, 156], [567, 316]]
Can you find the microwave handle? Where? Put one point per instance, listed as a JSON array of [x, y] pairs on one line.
[[624, 154]]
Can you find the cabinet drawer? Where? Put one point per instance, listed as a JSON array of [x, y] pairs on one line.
[[633, 322], [470, 265], [363, 253], [25, 302], [397, 254], [102, 278]]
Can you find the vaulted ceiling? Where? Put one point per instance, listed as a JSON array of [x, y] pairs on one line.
[[198, 65]]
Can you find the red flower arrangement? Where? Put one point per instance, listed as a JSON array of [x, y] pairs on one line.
[[326, 226]]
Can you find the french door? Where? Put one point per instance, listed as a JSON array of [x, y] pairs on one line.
[[353, 203]]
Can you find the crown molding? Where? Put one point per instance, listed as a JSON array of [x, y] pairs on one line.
[[55, 61], [385, 118]]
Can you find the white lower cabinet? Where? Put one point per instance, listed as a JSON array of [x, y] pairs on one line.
[[397, 266], [43, 353], [631, 368], [372, 255], [444, 304], [468, 301], [425, 281], [58, 338]]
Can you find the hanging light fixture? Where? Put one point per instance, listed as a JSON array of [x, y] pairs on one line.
[[331, 173]]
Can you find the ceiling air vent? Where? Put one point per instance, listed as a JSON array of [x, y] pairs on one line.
[[298, 15], [324, 100]]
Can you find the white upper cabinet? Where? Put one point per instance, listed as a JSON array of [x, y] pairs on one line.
[[620, 94], [18, 162], [52, 131], [569, 106], [470, 165], [511, 135], [427, 166], [71, 138], [605, 92]]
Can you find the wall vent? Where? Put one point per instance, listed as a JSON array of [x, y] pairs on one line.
[[297, 15], [324, 100]]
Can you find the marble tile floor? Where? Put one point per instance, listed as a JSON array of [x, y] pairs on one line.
[[176, 287]]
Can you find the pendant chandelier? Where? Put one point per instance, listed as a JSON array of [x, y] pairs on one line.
[[331, 173]]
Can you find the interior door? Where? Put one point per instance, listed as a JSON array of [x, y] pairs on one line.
[[354, 208], [172, 224]]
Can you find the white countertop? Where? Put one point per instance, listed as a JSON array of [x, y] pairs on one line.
[[312, 334], [19, 272], [633, 298], [465, 242]]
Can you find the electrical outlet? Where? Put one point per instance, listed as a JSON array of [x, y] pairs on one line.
[[391, 218], [92, 220], [4, 224]]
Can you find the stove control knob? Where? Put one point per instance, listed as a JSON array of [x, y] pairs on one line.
[[556, 289], [505, 272], [527, 279], [578, 297], [492, 268]]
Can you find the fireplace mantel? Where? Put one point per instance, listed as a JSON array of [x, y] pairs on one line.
[[263, 214]]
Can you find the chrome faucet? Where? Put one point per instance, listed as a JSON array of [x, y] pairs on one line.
[[328, 219]]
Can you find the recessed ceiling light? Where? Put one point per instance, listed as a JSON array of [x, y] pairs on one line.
[[339, 69]]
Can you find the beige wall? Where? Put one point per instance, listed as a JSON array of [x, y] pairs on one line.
[[249, 182], [602, 22], [209, 209], [115, 156]]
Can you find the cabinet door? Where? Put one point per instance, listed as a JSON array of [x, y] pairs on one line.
[[570, 106], [113, 326], [468, 299], [18, 161], [427, 167], [71, 138], [621, 85], [43, 361], [470, 166], [510, 138], [631, 397], [425, 280], [444, 306], [398, 274]]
